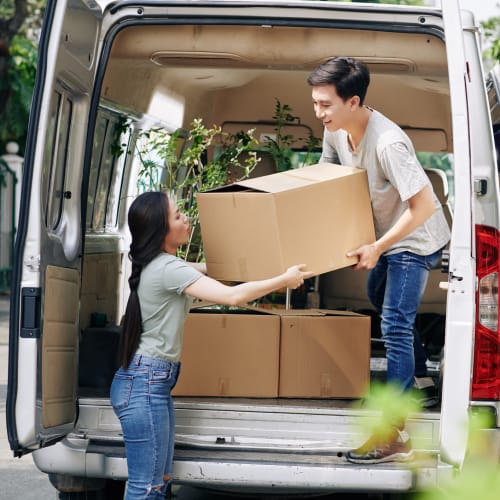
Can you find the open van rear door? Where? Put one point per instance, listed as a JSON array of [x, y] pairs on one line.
[[463, 66], [44, 331]]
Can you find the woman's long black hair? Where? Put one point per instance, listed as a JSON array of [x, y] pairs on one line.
[[148, 224]]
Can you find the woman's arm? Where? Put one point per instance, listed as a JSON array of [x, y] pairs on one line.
[[212, 290], [199, 266]]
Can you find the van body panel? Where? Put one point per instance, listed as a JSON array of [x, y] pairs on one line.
[[116, 68]]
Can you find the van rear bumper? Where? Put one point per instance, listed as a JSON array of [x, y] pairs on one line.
[[252, 471]]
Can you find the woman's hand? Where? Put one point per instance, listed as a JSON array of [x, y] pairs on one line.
[[294, 276], [206, 288]]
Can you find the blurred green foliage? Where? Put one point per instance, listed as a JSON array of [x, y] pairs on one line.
[[20, 24], [21, 79], [491, 37], [480, 474]]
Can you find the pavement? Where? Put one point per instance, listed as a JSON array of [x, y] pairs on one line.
[[20, 477]]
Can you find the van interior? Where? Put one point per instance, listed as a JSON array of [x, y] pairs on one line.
[[166, 76]]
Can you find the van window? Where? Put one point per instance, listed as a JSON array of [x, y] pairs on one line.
[[55, 157], [109, 156], [440, 161], [494, 103]]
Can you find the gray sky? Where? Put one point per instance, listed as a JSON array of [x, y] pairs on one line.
[[482, 9]]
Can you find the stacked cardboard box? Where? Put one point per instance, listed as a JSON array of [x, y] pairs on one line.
[[275, 353], [324, 354], [230, 354]]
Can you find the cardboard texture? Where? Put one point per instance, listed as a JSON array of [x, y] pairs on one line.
[[230, 354], [257, 228], [256, 353], [324, 356]]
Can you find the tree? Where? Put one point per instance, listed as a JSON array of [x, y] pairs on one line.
[[20, 22], [491, 38], [11, 20]]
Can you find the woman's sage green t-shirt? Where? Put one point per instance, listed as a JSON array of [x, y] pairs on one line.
[[164, 306]]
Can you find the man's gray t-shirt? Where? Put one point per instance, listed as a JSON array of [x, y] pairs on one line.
[[164, 306], [394, 176]]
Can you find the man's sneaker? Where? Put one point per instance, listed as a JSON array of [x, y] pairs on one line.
[[425, 392], [394, 448]]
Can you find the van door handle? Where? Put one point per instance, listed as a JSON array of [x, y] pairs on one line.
[[30, 313]]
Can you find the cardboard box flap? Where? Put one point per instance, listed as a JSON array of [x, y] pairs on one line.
[[318, 312], [323, 172], [336, 312], [212, 308], [297, 178], [277, 183]]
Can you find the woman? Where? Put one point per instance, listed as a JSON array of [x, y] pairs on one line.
[[161, 290]]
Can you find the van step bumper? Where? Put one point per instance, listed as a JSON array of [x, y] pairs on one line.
[[286, 472], [253, 471]]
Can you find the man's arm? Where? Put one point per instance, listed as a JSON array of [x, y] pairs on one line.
[[420, 208]]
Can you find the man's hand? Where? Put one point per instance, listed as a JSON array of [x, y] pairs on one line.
[[368, 256]]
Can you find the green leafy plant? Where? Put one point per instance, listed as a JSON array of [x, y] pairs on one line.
[[184, 164], [280, 145]]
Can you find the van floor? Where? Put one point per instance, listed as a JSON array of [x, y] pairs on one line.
[[90, 394], [378, 369]]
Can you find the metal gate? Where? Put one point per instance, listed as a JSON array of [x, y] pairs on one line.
[[8, 181]]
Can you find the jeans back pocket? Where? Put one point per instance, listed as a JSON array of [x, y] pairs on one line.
[[121, 389]]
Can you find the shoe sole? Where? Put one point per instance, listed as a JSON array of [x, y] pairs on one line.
[[397, 457], [429, 403]]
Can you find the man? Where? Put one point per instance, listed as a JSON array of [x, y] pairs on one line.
[[410, 226]]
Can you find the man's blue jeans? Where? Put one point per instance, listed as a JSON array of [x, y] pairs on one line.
[[395, 287], [141, 399]]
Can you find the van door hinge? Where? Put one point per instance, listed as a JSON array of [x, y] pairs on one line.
[[480, 187], [33, 263], [31, 312], [445, 261]]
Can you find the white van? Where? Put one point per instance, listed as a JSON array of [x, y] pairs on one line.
[[104, 63]]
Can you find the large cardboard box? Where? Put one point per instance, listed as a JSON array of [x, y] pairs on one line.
[[230, 354], [324, 354], [259, 227]]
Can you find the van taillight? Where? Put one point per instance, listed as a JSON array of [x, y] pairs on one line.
[[486, 376]]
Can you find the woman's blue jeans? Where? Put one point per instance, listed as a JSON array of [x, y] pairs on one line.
[[141, 399], [395, 287]]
